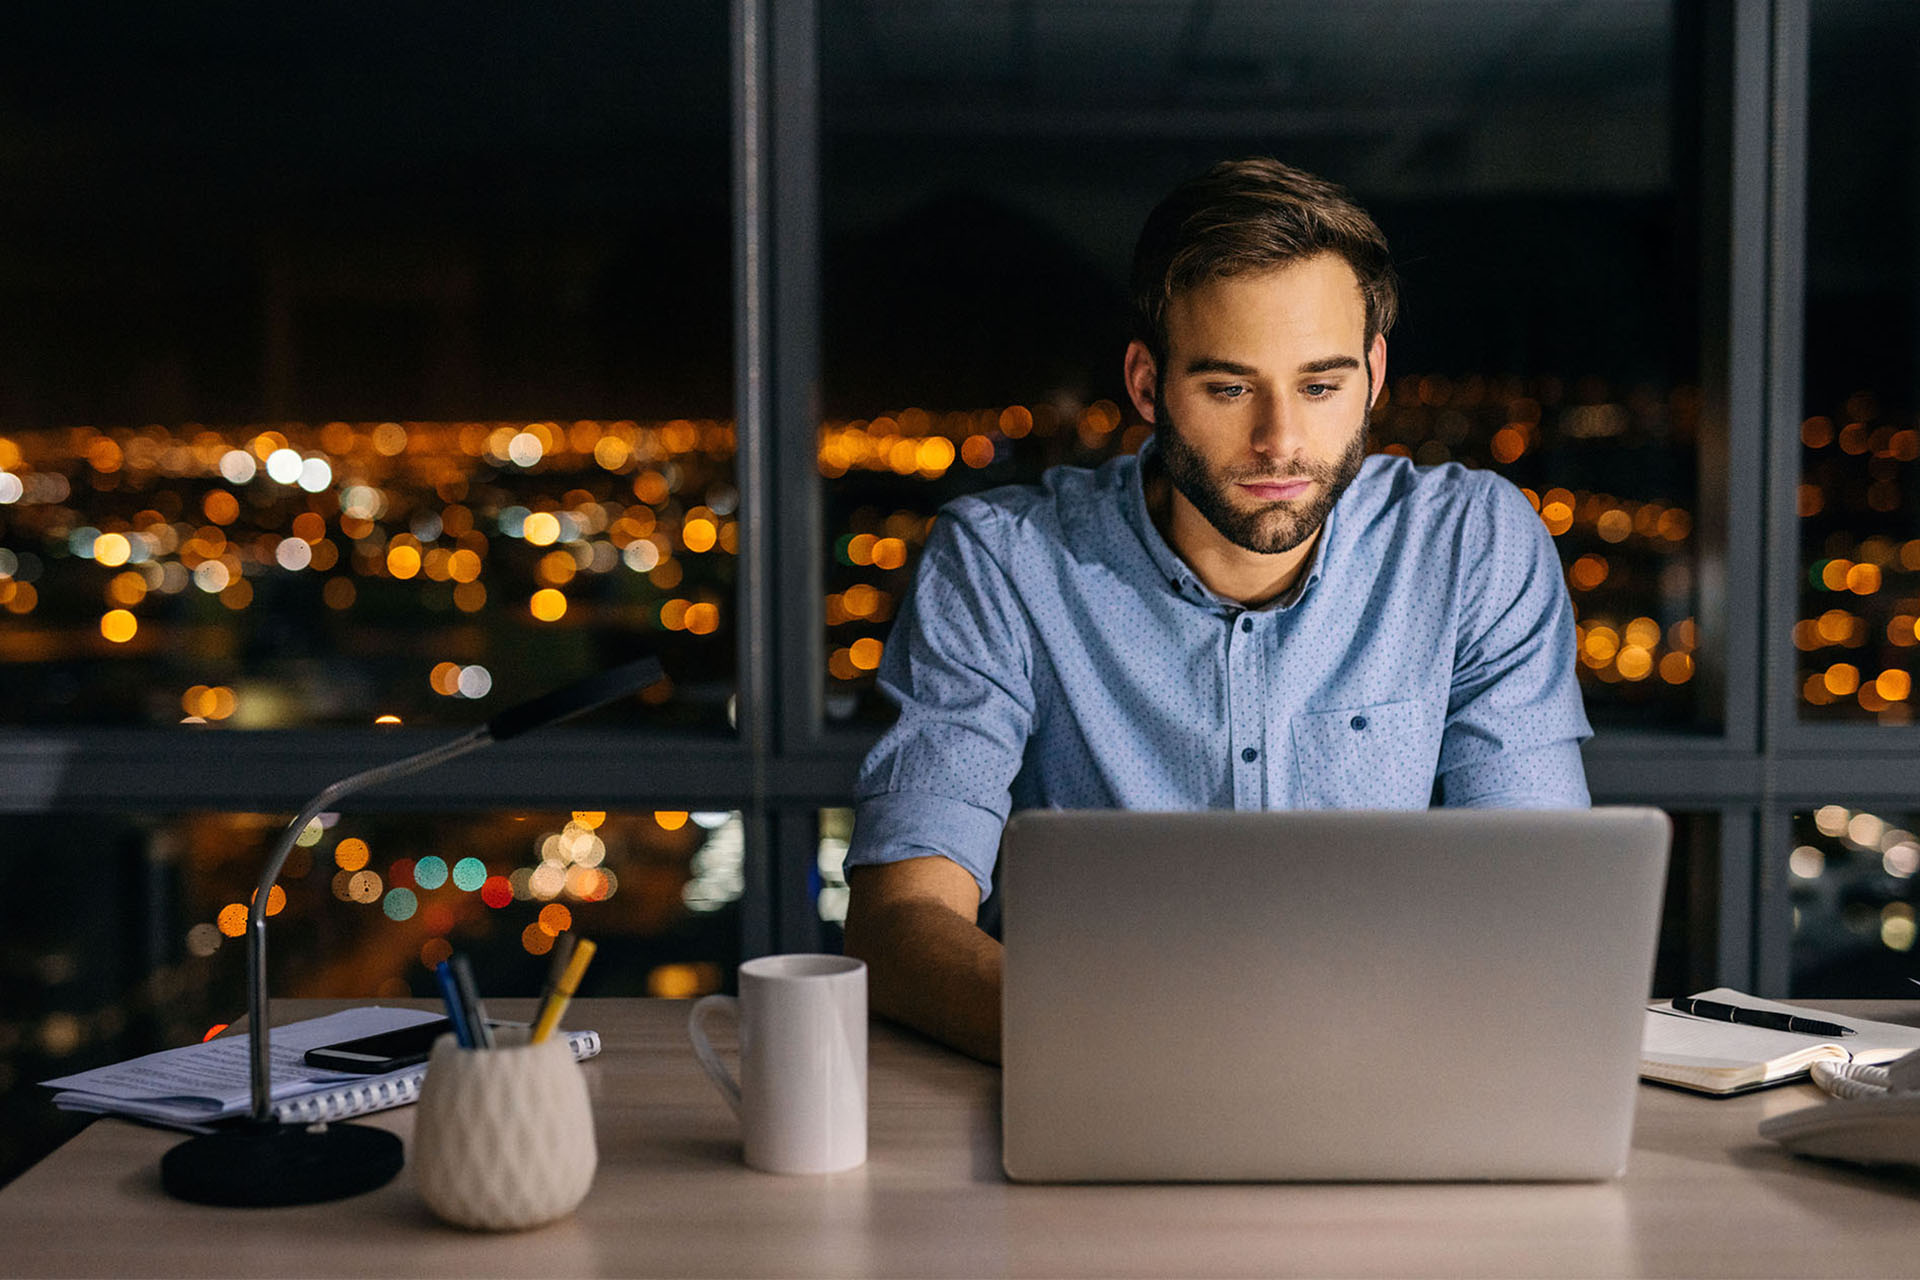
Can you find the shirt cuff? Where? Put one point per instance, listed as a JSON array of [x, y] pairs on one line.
[[1550, 776], [897, 825]]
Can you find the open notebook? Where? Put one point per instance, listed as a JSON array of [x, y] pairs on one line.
[[1710, 1056], [200, 1085]]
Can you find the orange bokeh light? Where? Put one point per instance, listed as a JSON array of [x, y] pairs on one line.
[[118, 626]]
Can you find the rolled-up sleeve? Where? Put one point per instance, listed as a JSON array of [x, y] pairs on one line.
[[1514, 715], [958, 666]]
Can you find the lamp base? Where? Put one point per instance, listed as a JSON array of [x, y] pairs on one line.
[[281, 1164]]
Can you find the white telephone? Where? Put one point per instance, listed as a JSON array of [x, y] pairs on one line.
[[1874, 1117]]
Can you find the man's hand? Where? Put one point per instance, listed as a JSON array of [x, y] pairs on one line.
[[929, 965]]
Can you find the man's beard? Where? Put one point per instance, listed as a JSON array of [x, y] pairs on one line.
[[1272, 527]]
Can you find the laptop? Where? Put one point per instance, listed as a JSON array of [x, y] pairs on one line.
[[1229, 996]]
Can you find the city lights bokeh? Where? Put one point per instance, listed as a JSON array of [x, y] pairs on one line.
[[1629, 553], [369, 904], [1851, 878], [163, 551], [264, 576]]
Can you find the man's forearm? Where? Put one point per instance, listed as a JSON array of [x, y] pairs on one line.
[[934, 971]]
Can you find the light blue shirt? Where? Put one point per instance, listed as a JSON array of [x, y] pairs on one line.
[[1055, 653]]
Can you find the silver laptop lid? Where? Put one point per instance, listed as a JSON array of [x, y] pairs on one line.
[[1293, 996]]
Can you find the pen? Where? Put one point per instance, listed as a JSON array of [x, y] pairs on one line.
[[563, 992], [456, 1014], [470, 997], [1759, 1017]]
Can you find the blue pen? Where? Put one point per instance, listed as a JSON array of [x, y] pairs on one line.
[[470, 1001], [456, 1011]]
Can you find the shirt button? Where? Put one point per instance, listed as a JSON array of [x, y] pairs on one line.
[[1358, 722], [1249, 755], [1246, 624]]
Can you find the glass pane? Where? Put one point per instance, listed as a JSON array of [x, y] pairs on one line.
[[827, 883], [986, 169], [129, 937], [1851, 874], [363, 363], [1859, 510]]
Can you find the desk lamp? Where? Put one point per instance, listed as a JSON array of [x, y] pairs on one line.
[[265, 1162]]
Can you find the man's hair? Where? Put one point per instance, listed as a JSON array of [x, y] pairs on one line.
[[1253, 214]]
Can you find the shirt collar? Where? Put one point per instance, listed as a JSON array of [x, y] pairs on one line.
[[1176, 573]]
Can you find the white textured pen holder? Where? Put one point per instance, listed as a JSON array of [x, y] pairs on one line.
[[504, 1138]]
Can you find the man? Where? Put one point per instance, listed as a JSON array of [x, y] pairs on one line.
[[1248, 614]]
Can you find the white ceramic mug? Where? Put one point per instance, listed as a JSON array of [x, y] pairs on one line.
[[504, 1137], [802, 1092]]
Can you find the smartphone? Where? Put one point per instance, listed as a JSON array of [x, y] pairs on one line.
[[378, 1054]]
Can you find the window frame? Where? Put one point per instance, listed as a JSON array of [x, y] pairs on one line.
[[1753, 765]]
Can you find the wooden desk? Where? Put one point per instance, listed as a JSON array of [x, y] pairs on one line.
[[1704, 1195]]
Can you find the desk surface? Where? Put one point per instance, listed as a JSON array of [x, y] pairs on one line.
[[1703, 1195]]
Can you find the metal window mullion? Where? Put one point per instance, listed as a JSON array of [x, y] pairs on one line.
[[1733, 449], [752, 273], [1786, 296], [799, 603], [1674, 779], [175, 770], [1785, 320], [797, 597]]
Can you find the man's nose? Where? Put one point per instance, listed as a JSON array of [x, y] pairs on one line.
[[1275, 428]]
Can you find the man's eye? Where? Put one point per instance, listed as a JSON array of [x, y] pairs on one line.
[[1319, 390], [1228, 390]]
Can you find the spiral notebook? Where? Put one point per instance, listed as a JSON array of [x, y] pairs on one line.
[[200, 1085]]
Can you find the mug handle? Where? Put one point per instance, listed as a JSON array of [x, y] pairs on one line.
[[709, 1060]]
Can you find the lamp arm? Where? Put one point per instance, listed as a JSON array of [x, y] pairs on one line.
[[551, 708], [258, 1056]]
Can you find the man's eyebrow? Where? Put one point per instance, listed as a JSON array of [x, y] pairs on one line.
[[1327, 364], [1206, 364]]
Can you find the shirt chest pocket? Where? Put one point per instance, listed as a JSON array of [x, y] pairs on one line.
[[1377, 757]]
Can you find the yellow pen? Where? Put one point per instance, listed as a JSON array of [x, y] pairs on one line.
[[563, 991]]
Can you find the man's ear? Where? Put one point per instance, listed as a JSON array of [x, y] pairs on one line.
[[1142, 377], [1377, 367]]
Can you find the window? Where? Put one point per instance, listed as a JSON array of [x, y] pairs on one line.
[[357, 364], [984, 172], [363, 364], [501, 276], [1857, 501]]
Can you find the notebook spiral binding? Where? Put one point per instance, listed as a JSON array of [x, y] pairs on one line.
[[386, 1092]]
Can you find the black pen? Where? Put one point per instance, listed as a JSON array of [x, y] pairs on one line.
[[1759, 1017]]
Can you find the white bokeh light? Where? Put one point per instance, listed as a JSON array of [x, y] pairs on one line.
[[283, 466], [293, 553], [315, 475]]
